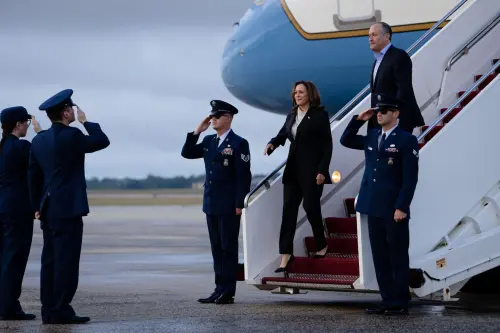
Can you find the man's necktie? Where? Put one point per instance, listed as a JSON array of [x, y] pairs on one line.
[[381, 142], [217, 142]]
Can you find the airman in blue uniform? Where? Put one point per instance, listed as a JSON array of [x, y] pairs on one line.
[[227, 182], [58, 192], [16, 214], [387, 189]]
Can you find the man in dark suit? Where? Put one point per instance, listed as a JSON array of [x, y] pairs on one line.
[[227, 182], [392, 75], [387, 189], [58, 192]]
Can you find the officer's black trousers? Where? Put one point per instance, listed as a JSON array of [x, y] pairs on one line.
[[62, 244], [16, 235], [390, 241], [224, 231], [293, 193]]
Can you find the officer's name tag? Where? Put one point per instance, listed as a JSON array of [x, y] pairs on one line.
[[227, 151], [391, 150]]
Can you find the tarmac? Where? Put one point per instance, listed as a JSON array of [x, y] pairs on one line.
[[143, 268]]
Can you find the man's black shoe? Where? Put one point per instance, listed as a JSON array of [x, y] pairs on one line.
[[380, 310], [210, 299], [396, 312], [19, 316], [70, 320], [225, 299]]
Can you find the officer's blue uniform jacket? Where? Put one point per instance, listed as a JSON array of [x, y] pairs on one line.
[[14, 194], [391, 175], [57, 169], [227, 168]]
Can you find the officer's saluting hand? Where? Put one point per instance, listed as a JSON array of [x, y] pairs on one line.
[[227, 182], [203, 126]]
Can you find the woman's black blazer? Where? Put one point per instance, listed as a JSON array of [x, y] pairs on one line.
[[311, 151]]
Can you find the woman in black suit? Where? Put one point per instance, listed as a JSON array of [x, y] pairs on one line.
[[307, 169]]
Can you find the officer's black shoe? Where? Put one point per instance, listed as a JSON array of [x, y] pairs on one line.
[[396, 312], [19, 316], [379, 310], [225, 299], [71, 320], [210, 299]]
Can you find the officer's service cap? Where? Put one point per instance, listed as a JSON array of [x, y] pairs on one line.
[[59, 99], [14, 114], [386, 102], [219, 107]]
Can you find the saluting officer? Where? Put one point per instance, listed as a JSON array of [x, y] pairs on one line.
[[16, 214], [387, 189], [227, 182], [58, 192]]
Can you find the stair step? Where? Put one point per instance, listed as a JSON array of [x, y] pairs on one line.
[[432, 133], [467, 99], [337, 243], [325, 266], [344, 225], [312, 281], [450, 115], [488, 80], [350, 210]]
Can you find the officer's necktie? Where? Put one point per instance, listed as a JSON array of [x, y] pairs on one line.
[[381, 144], [217, 142]]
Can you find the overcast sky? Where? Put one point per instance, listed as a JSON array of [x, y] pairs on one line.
[[145, 70]]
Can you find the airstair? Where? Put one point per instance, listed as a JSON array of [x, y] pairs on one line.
[[455, 225]]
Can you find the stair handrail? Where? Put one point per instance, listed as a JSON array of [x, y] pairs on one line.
[[458, 101], [347, 108], [473, 41]]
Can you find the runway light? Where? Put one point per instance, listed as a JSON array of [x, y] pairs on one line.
[[336, 177]]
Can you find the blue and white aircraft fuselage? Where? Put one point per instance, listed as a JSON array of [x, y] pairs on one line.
[[278, 42]]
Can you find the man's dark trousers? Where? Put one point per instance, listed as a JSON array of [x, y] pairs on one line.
[[62, 245], [224, 231], [390, 241]]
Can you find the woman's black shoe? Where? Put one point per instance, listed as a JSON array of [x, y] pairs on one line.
[[317, 256], [282, 269]]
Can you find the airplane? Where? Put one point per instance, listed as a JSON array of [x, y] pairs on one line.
[[278, 42]]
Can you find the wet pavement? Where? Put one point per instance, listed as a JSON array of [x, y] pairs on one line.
[[143, 268]]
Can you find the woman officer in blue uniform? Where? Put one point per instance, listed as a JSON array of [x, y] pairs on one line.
[[16, 213]]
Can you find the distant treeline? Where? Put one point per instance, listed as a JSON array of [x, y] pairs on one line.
[[150, 182]]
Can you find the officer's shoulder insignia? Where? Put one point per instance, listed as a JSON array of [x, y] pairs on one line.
[[415, 153], [245, 158]]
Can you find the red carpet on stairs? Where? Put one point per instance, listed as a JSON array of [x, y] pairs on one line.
[[457, 110], [340, 268]]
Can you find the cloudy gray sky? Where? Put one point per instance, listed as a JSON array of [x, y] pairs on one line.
[[145, 70]]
